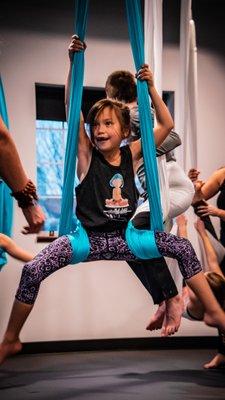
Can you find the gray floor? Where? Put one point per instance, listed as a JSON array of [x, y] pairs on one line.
[[112, 375]]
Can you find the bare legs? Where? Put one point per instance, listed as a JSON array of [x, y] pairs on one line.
[[11, 343]]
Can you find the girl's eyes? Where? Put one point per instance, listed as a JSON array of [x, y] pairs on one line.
[[107, 123]]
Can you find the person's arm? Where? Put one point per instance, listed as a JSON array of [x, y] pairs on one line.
[[211, 187], [85, 148], [164, 121], [13, 174], [181, 221], [11, 169], [13, 249], [209, 209], [75, 45], [193, 174], [209, 250], [170, 143]]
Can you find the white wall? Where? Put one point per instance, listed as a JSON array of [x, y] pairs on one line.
[[96, 300]]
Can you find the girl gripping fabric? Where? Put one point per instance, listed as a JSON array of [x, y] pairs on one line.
[[99, 160]]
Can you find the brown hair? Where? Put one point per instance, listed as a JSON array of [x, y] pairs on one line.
[[121, 110], [217, 284], [121, 85]]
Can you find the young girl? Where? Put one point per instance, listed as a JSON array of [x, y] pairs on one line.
[[99, 160]]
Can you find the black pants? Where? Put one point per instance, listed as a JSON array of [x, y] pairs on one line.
[[154, 274]]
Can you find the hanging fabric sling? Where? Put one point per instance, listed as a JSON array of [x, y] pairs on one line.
[[68, 220], [141, 242], [6, 201]]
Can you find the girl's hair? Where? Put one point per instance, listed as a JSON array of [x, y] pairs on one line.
[[121, 110], [217, 284], [121, 85]]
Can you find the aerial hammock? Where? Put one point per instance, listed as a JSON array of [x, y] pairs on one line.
[[6, 201], [141, 242]]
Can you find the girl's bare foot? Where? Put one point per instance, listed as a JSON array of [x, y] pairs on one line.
[[156, 321], [174, 310], [9, 348], [217, 362]]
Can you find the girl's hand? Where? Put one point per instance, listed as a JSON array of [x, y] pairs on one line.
[[75, 45], [208, 209], [145, 74], [181, 220], [199, 226]]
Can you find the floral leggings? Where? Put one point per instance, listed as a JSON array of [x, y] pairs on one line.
[[104, 246]]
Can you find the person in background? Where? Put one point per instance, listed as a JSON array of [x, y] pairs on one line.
[[23, 189], [9, 246]]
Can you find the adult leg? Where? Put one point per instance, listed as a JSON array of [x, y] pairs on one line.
[[54, 257]]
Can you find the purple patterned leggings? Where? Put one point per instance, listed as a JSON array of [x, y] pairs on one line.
[[104, 246]]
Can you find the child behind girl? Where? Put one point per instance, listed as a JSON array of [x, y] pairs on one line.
[[100, 159]]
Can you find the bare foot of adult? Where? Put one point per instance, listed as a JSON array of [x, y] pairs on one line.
[[157, 320], [174, 310], [217, 362], [8, 349]]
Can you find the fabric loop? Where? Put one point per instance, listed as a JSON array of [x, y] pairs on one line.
[[141, 242]]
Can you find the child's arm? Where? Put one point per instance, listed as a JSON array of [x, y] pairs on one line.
[[164, 120], [181, 221], [84, 154], [75, 45], [209, 250], [84, 144], [15, 251]]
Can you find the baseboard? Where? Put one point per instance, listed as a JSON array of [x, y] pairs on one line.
[[181, 342]]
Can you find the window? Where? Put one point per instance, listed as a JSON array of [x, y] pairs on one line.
[[50, 148]]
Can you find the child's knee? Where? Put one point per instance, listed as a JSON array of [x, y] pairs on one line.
[[29, 272]]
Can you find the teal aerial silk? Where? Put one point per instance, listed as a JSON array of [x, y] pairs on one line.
[[6, 201], [69, 223], [137, 239], [141, 242]]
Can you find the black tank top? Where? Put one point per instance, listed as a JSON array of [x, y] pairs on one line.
[[107, 196]]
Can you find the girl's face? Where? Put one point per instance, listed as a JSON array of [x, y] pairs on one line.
[[107, 131]]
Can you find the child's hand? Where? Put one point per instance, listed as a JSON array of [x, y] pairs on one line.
[[193, 174], [199, 226], [181, 220], [145, 74], [75, 45], [198, 193]]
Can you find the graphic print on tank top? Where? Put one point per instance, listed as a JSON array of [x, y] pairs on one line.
[[107, 196], [116, 205]]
